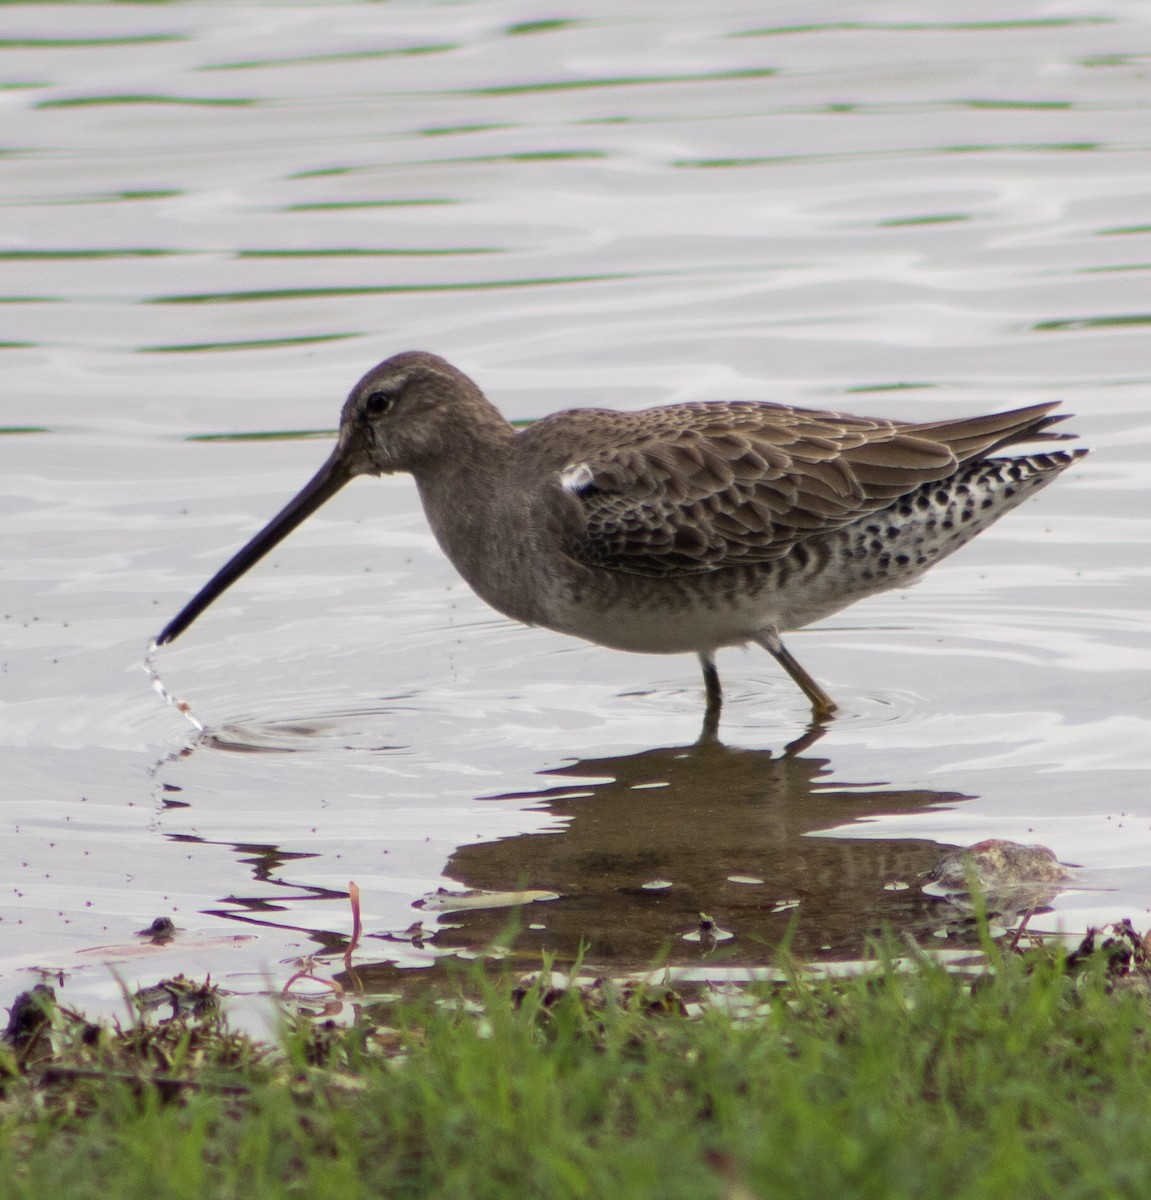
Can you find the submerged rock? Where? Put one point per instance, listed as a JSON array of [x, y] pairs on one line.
[[1010, 877]]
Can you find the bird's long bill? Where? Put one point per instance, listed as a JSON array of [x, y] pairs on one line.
[[325, 484]]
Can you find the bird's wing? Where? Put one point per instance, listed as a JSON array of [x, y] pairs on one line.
[[704, 486]]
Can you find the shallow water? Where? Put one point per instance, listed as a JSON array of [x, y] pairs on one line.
[[215, 218]]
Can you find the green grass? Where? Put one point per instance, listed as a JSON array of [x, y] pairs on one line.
[[1031, 1082]]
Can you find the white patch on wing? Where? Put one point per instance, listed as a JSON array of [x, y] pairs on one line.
[[576, 477]]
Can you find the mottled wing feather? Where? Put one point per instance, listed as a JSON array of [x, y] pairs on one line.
[[697, 487]]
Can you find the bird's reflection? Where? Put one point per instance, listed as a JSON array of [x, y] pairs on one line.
[[705, 821], [649, 842]]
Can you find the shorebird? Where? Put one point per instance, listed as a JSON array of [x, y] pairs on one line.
[[682, 528]]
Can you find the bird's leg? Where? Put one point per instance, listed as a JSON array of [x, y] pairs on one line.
[[714, 695], [822, 705], [711, 681]]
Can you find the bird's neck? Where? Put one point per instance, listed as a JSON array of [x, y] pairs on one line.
[[460, 490], [478, 511]]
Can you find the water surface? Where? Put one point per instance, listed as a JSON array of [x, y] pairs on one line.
[[215, 219]]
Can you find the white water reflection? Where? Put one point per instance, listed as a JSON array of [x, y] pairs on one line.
[[215, 219]]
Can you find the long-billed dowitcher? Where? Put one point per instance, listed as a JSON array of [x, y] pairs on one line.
[[674, 529]]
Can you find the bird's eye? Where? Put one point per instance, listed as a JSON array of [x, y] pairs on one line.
[[378, 403]]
